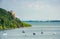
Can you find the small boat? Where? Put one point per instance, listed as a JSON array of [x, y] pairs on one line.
[[4, 33]]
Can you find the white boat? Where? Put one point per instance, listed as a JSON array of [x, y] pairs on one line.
[[4, 33]]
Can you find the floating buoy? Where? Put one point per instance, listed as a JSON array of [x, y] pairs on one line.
[[41, 32], [34, 33], [23, 31]]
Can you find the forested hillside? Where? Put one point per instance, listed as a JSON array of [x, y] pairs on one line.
[[9, 21]]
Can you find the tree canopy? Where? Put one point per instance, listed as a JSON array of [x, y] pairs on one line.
[[8, 21]]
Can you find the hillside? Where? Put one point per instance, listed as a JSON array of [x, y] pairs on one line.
[[8, 20]]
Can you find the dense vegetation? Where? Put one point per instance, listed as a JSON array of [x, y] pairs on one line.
[[8, 21]]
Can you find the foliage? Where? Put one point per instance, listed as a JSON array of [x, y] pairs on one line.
[[25, 24], [8, 21]]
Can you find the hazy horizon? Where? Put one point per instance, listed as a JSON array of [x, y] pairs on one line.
[[33, 9]]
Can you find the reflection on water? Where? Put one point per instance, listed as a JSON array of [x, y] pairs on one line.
[[37, 32]]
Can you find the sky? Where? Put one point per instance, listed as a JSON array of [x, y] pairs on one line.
[[33, 9]]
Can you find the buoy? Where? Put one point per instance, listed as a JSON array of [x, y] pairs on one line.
[[23, 31], [41, 32], [34, 33]]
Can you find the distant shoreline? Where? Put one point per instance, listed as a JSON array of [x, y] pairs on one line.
[[43, 21]]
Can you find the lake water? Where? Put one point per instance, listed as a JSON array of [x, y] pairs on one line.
[[51, 30]]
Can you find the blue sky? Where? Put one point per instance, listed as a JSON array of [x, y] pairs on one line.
[[33, 9]]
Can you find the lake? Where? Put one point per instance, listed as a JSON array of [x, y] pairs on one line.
[[42, 30]]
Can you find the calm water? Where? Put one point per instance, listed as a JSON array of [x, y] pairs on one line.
[[51, 30]]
